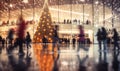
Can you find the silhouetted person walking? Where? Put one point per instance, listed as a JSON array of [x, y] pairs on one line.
[[28, 40], [81, 35], [0, 39], [55, 38], [3, 42], [115, 38], [10, 36], [21, 32], [44, 39], [64, 21], [104, 37], [99, 39], [73, 41]]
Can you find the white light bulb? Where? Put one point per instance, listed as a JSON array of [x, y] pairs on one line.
[[11, 5], [82, 0], [25, 1], [96, 2]]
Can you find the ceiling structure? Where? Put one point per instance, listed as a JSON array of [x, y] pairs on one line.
[[14, 7], [5, 4]]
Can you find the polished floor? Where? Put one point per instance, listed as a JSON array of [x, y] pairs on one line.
[[42, 57]]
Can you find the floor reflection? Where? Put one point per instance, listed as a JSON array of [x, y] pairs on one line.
[[54, 57], [102, 64], [46, 59], [116, 62]]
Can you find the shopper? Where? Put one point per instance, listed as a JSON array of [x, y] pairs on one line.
[[44, 40], [21, 32], [104, 37], [115, 39], [3, 42], [10, 36], [81, 35], [28, 40], [55, 38], [99, 39]]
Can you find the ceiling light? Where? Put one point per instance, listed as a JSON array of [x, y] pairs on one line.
[[82, 0], [96, 2], [25, 1], [11, 5]]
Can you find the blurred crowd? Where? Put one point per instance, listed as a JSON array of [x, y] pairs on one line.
[[107, 37]]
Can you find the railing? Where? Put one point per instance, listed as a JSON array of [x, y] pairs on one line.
[[73, 23]]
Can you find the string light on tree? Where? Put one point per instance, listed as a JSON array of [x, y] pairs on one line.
[[47, 23]]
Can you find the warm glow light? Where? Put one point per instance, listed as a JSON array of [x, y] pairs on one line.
[[82, 0], [47, 23], [44, 30], [45, 36], [51, 30], [49, 26], [96, 25], [44, 17], [45, 13], [48, 20], [50, 33], [48, 14], [89, 31], [11, 5], [65, 63], [0, 22], [96, 2], [37, 38], [25, 1], [49, 38]]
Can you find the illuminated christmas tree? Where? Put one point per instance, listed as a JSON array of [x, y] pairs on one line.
[[45, 27]]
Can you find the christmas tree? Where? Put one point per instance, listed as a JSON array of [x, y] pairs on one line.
[[45, 27]]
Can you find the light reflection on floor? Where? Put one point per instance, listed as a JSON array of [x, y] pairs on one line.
[[41, 57]]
